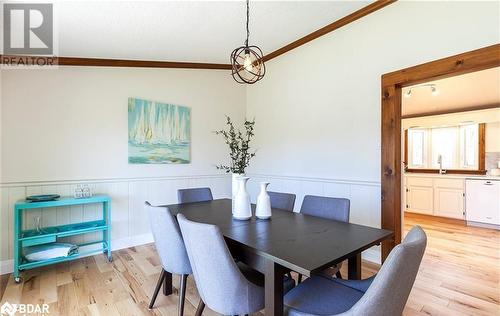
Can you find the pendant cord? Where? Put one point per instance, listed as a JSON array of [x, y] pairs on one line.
[[248, 18]]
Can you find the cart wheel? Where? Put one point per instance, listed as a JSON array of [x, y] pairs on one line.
[[110, 259], [18, 280]]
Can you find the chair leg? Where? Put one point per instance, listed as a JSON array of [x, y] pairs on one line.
[[299, 279], [182, 294], [200, 308], [157, 289], [338, 275]]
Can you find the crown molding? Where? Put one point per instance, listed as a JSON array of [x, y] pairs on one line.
[[377, 5]]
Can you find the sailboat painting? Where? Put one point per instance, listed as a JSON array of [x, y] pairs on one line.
[[158, 133]]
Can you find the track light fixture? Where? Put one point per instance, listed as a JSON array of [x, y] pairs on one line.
[[432, 86]]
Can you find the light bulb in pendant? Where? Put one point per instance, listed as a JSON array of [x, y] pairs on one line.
[[248, 63]]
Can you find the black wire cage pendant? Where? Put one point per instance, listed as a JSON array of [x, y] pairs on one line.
[[246, 61]]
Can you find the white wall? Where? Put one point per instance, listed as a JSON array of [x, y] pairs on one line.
[[71, 123], [493, 137], [68, 126], [318, 108]]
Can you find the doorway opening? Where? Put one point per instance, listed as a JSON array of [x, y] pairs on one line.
[[391, 120]]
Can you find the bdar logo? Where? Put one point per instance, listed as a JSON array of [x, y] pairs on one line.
[[8, 309]]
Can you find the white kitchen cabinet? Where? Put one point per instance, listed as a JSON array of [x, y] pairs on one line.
[[483, 201], [449, 203], [449, 198], [419, 195]]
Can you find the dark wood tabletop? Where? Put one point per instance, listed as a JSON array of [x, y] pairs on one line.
[[305, 244]]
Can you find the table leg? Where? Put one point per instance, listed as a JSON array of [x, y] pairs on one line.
[[354, 267], [274, 289], [167, 284]]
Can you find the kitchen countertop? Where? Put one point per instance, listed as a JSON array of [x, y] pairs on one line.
[[452, 176]]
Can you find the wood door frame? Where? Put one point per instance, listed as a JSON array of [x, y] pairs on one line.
[[392, 84]]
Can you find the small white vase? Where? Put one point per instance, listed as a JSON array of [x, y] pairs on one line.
[[234, 188], [263, 210], [242, 206]]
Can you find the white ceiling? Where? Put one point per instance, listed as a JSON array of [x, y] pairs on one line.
[[194, 31], [469, 90]]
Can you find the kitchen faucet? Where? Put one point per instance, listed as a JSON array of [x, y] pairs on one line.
[[440, 162]]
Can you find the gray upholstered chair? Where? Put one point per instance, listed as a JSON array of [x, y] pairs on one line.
[[194, 195], [337, 209], [227, 287], [171, 249], [284, 201], [384, 294]]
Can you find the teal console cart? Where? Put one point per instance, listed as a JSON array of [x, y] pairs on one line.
[[32, 237]]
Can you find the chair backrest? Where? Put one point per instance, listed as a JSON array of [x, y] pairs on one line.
[[284, 201], [194, 195], [168, 240], [326, 207], [221, 285], [389, 291]]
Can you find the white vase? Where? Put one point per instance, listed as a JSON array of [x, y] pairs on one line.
[[234, 188], [242, 206], [263, 210]]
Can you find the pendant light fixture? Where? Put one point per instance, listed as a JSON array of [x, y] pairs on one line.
[[246, 61]]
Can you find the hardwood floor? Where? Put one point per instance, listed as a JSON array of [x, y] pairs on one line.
[[459, 276], [460, 272]]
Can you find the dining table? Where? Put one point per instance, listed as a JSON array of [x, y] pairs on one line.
[[287, 241]]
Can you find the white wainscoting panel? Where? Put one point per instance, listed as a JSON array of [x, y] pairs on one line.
[[129, 222]]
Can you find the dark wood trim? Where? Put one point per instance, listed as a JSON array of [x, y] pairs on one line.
[[405, 158], [450, 111], [101, 62], [448, 171], [479, 59], [377, 5], [392, 83], [482, 147], [440, 219]]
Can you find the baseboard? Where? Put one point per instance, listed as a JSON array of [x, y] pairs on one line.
[[7, 266], [372, 255], [138, 240], [441, 219], [483, 225]]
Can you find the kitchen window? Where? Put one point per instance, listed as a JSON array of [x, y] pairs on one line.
[[455, 149]]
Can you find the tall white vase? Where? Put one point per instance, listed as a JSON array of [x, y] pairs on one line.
[[234, 188], [263, 210], [242, 206]]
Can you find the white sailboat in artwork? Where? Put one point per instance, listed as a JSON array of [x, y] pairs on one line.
[[158, 132]]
